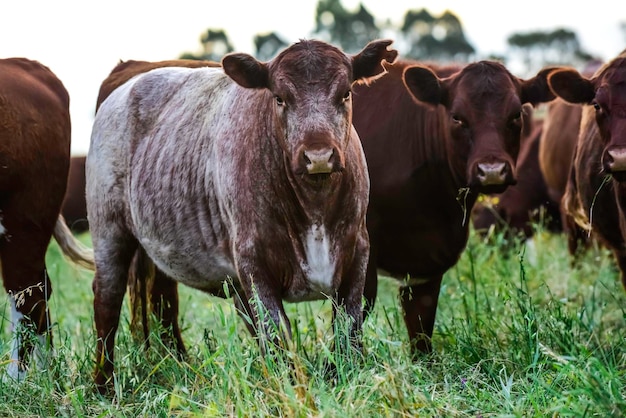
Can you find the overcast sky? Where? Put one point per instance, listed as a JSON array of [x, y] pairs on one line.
[[81, 41]]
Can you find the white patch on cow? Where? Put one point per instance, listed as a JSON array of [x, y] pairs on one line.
[[13, 370], [39, 356], [320, 261]]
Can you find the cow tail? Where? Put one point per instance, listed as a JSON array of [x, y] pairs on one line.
[[140, 278], [75, 250]]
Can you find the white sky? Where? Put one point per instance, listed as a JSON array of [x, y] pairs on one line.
[[81, 41]]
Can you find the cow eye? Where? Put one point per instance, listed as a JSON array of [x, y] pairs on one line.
[[597, 106], [457, 120], [279, 100], [516, 117], [347, 96]]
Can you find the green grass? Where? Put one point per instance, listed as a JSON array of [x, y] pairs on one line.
[[523, 335]]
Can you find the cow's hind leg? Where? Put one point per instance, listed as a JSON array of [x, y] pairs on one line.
[[146, 281], [164, 297], [22, 258], [113, 259], [419, 303]]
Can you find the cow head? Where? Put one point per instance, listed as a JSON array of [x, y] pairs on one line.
[[485, 110], [309, 100], [606, 92]]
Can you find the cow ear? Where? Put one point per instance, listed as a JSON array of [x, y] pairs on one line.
[[368, 64], [424, 85], [246, 71], [536, 90], [571, 86]]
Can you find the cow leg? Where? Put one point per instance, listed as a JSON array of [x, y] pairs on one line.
[[164, 298], [265, 318], [419, 304], [26, 281], [113, 259], [351, 291], [370, 290]]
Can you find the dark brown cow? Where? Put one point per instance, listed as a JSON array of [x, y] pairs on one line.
[[595, 195], [524, 204], [250, 175], [428, 162], [34, 161], [556, 151], [74, 208]]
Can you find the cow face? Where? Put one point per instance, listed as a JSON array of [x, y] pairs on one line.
[[309, 90], [606, 92], [485, 117]]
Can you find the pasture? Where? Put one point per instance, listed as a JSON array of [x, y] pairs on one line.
[[526, 335]]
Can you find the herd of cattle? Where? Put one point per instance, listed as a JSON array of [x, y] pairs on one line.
[[295, 179]]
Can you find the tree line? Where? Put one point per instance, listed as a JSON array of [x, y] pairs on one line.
[[421, 36]]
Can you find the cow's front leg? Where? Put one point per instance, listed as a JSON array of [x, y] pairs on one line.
[[262, 310], [350, 294], [419, 302]]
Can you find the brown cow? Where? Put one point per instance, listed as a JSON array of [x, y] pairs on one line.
[[595, 195], [34, 161], [74, 208], [556, 151], [428, 161], [524, 204], [249, 176]]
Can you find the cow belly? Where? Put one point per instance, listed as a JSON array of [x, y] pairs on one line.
[[189, 264], [421, 255]]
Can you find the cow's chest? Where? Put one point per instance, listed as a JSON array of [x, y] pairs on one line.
[[318, 265]]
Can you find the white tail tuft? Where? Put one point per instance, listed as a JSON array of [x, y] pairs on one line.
[[75, 250]]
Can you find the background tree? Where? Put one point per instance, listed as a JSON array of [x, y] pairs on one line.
[[215, 44], [268, 45], [539, 49], [348, 30], [435, 38]]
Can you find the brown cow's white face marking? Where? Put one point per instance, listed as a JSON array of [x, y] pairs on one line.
[[321, 263]]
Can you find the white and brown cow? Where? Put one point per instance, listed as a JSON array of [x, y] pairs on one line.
[[250, 174]]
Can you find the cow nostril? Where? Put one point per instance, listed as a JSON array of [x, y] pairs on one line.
[[318, 160], [494, 173]]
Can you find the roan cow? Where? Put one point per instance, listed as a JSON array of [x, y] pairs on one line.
[[595, 194], [249, 176], [34, 162], [434, 139]]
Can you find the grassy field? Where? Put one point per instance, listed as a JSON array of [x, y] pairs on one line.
[[523, 335]]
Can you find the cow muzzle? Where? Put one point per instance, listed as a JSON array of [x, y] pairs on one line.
[[614, 162], [493, 177], [316, 161]]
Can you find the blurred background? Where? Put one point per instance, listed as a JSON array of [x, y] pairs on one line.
[[82, 41]]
